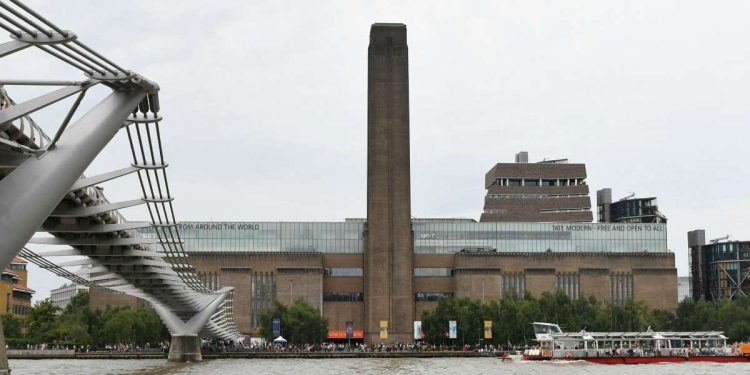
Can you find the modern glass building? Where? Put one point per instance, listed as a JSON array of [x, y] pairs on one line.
[[719, 270], [431, 236]]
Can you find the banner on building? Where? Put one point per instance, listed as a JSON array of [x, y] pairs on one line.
[[418, 335], [452, 329], [349, 329], [276, 327], [383, 329], [487, 329]]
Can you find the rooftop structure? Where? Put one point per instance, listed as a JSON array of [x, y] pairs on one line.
[[547, 191]]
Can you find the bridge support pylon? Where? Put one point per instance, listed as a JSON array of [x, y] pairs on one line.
[[185, 345], [185, 348]]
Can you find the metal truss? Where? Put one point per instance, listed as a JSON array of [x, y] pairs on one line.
[[43, 189], [737, 280]]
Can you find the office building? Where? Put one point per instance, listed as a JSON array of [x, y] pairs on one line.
[[719, 269], [628, 209], [62, 295]]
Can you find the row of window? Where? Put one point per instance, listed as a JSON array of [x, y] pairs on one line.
[[558, 210], [539, 181], [359, 297], [535, 196], [21, 309]]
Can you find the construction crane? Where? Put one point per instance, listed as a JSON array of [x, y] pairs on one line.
[[715, 240]]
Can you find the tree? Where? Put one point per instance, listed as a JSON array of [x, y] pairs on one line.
[[11, 326], [42, 321], [469, 316], [300, 323]]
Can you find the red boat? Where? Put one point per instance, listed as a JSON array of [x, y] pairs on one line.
[[633, 347]]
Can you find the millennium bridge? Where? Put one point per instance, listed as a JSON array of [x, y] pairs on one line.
[[43, 188]]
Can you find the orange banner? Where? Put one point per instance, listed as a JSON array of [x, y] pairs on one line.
[[336, 334]]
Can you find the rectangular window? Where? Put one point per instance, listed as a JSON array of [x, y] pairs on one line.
[[533, 182], [343, 271], [514, 182], [432, 272], [548, 182]]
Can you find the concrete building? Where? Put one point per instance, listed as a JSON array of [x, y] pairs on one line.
[[628, 209], [14, 291], [61, 296], [547, 191], [719, 269], [381, 272]]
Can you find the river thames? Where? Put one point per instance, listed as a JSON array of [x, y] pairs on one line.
[[425, 366]]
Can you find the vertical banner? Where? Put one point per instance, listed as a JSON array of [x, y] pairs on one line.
[[349, 329], [418, 330], [487, 329], [383, 329], [452, 329], [276, 327]]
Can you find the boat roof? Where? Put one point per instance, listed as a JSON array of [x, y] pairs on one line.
[[639, 335]]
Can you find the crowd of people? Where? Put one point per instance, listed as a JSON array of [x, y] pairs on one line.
[[120, 348], [269, 347]]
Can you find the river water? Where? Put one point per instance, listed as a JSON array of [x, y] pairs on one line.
[[453, 366]]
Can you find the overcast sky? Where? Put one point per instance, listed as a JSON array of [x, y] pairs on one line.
[[265, 102]]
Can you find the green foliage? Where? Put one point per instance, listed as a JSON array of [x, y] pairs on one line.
[[300, 323], [42, 322], [78, 324], [732, 317], [11, 326], [512, 317]]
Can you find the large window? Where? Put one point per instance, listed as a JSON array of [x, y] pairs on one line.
[[514, 284], [432, 272], [343, 271], [451, 238], [263, 291], [569, 283], [241, 237], [621, 287]]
